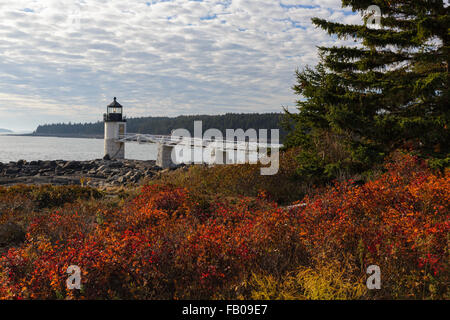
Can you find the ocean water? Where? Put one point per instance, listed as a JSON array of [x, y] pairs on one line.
[[14, 148]]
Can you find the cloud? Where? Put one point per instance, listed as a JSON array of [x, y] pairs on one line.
[[158, 57]]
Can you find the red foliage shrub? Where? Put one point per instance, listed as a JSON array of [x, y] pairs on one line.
[[165, 244], [399, 222]]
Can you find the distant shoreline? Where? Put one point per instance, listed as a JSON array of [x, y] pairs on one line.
[[80, 136]]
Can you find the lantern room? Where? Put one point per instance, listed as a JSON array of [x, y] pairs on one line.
[[114, 112]]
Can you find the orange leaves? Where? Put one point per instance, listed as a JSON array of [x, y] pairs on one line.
[[400, 218], [167, 244]]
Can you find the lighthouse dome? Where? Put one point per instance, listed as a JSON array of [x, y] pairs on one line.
[[115, 104]]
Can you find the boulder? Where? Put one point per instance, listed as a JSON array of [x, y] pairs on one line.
[[116, 164], [129, 174], [12, 171], [26, 172], [72, 165], [21, 163], [87, 166], [130, 165], [102, 167], [136, 177], [48, 164]]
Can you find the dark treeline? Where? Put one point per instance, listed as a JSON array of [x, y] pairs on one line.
[[164, 125]]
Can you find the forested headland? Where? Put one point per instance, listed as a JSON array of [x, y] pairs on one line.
[[164, 125]]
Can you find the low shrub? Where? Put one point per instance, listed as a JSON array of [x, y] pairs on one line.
[[171, 243], [49, 196], [322, 282], [243, 180], [399, 222]]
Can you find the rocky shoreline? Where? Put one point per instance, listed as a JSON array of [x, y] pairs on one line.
[[95, 173]]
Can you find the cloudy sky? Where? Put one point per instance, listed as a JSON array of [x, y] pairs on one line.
[[64, 60]]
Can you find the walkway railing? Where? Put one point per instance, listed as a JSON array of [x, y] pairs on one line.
[[220, 144]]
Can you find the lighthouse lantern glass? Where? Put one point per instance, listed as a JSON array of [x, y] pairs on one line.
[[114, 110]]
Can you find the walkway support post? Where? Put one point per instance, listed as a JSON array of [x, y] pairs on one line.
[[164, 159]]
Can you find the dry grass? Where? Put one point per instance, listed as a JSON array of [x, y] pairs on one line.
[[242, 180]]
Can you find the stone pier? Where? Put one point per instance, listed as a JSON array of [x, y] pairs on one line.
[[164, 159]]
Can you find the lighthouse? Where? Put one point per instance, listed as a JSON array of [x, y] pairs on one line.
[[115, 127]]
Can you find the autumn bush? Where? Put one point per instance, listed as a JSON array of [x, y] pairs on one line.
[[47, 196], [169, 243], [399, 222], [329, 281], [244, 180]]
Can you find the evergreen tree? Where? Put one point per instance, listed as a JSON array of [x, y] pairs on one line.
[[388, 91]]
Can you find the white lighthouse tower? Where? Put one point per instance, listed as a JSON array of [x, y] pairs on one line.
[[115, 127]]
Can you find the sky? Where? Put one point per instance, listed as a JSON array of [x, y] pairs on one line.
[[64, 61]]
